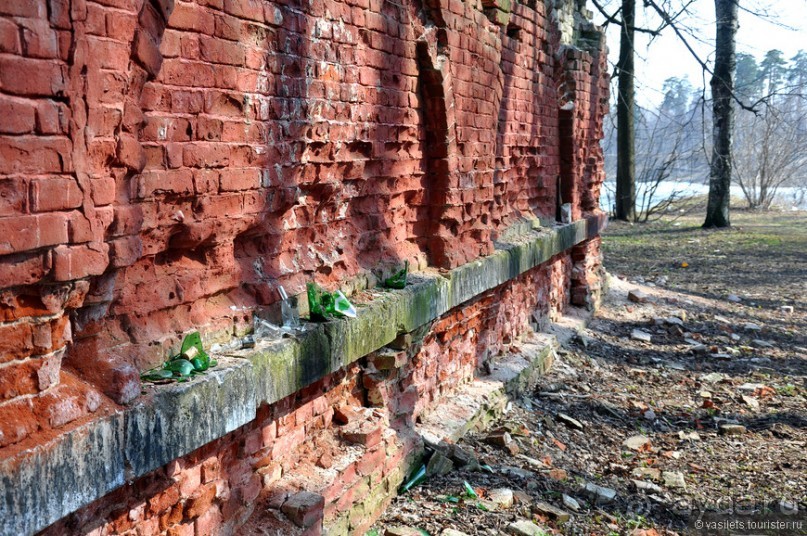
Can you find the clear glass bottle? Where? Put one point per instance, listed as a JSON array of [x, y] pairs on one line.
[[291, 318]]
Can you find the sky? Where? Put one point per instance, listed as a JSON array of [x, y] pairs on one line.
[[666, 56]]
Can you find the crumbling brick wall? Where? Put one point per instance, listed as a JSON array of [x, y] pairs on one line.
[[305, 442], [165, 165]]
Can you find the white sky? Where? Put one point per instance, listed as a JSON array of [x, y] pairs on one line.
[[666, 56]]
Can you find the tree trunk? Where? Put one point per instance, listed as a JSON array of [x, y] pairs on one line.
[[625, 144], [717, 211]]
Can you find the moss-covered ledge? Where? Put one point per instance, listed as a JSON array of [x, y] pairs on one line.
[[45, 483]]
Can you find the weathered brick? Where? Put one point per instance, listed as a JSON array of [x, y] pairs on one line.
[[34, 155], [18, 115], [25, 76], [24, 268], [13, 196], [54, 194], [77, 262], [103, 191], [9, 37], [148, 53], [25, 233], [17, 422], [51, 117], [35, 9], [208, 523], [153, 183], [239, 179], [192, 17], [200, 502], [249, 143], [130, 153], [304, 508], [163, 501], [19, 378], [38, 39]]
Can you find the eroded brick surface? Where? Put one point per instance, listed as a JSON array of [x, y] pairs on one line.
[[164, 165]]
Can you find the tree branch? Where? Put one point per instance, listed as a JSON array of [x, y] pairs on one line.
[[671, 23], [613, 19]]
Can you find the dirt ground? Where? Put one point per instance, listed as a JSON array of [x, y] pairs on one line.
[[689, 397]]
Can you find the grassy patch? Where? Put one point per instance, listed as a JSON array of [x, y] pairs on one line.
[[760, 249]]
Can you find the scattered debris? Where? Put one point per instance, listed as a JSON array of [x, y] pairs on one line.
[[713, 377], [439, 464], [525, 527], [599, 493], [190, 361], [452, 532], [751, 387], [557, 474], [399, 279], [688, 436], [649, 487], [642, 472], [570, 421], [647, 418], [401, 530], [553, 512], [673, 479], [751, 402], [638, 296], [637, 442], [503, 497], [570, 503], [641, 335], [731, 429], [304, 508]]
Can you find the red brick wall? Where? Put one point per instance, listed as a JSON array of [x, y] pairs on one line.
[[164, 166], [221, 485]]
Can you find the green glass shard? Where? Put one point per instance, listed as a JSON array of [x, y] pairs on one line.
[[316, 309], [181, 366], [323, 305], [342, 306], [418, 477], [469, 491], [398, 279]]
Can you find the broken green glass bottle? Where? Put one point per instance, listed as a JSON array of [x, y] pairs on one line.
[[323, 305], [398, 279]]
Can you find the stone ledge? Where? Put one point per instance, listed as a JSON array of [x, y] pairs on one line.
[[180, 418], [475, 405], [51, 480], [47, 482]]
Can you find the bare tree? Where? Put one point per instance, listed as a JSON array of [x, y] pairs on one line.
[[770, 150], [664, 152], [717, 209], [626, 133]]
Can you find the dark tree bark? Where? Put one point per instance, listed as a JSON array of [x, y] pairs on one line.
[[626, 152], [717, 210]]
